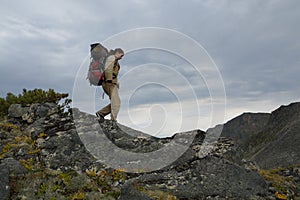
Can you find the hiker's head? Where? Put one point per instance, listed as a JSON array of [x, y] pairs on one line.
[[119, 53]]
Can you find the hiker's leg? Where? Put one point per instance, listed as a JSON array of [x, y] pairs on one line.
[[115, 103], [107, 109]]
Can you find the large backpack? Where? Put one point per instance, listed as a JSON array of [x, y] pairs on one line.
[[97, 62]]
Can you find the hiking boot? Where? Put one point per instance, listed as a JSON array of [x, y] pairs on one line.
[[100, 117], [113, 125]]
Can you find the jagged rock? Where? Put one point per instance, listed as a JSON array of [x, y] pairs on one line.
[[208, 177], [66, 151], [14, 166], [32, 112], [17, 110], [218, 148], [36, 128], [4, 182]]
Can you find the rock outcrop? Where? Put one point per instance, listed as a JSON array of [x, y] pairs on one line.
[[43, 155], [210, 177]]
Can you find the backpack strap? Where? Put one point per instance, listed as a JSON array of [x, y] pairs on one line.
[[116, 64]]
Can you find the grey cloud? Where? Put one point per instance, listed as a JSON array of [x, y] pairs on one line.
[[254, 43]]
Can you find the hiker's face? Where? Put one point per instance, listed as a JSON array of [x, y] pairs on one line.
[[119, 56]]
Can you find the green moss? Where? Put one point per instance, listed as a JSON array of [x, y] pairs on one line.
[[42, 135], [281, 183], [65, 177], [78, 196], [55, 187], [42, 190], [28, 164], [154, 193], [8, 126], [92, 172], [7, 147], [157, 194]]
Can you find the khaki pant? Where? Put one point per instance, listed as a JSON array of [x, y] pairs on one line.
[[113, 108]]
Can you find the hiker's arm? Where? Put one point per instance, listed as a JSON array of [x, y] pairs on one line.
[[109, 66]]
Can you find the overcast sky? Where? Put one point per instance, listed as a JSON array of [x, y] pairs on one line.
[[253, 45]]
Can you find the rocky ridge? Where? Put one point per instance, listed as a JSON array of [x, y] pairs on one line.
[[270, 142], [268, 139], [43, 157]]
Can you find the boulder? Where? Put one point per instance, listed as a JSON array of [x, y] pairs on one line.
[[17, 110], [14, 166], [4, 182], [210, 176]]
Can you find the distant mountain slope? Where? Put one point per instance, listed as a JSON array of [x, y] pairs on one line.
[[245, 126], [279, 143], [271, 140]]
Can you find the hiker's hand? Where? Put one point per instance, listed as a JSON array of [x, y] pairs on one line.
[[109, 84]]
